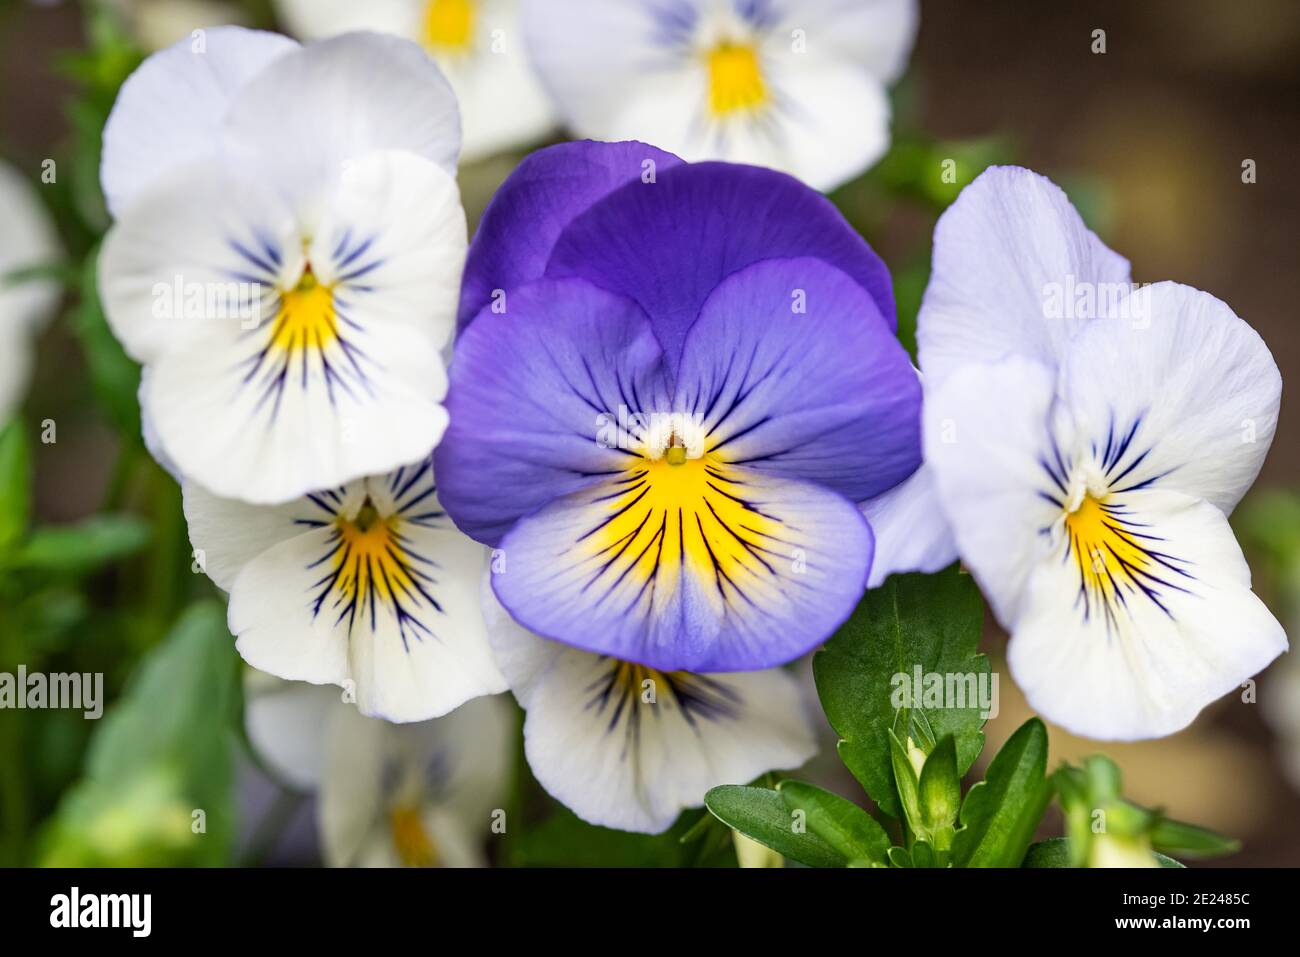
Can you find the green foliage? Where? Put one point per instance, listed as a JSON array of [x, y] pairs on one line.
[[15, 485], [928, 621], [1001, 813], [157, 783], [762, 814]]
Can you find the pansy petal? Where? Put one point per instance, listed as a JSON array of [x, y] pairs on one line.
[[667, 244], [306, 116], [286, 721], [699, 566], [1133, 637], [170, 111], [1185, 393], [912, 533], [227, 533], [792, 372], [310, 389], [317, 19], [629, 747], [532, 389], [986, 439], [28, 240], [532, 208], [1008, 247], [874, 35]]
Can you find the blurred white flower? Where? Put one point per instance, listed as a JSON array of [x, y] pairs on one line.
[[368, 586], [478, 44], [27, 239], [287, 256], [796, 85], [630, 747], [159, 23], [411, 795]]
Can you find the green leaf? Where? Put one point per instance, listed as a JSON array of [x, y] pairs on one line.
[[899, 857], [84, 547], [763, 815], [905, 781], [1189, 840], [931, 621], [1001, 813], [840, 823], [159, 756], [940, 790], [15, 484]]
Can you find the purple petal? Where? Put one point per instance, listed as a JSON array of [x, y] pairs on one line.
[[668, 244], [528, 389], [689, 567], [826, 394], [540, 198]]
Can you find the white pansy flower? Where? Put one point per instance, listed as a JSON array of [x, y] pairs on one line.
[[796, 85], [411, 795], [27, 240], [478, 44], [630, 747], [1087, 441], [367, 586], [286, 256]]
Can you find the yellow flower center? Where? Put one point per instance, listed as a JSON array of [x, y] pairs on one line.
[[675, 511], [372, 564], [735, 79], [449, 24], [1110, 559], [307, 318], [414, 845]]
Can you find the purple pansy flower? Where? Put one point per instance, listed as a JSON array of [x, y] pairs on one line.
[[672, 386]]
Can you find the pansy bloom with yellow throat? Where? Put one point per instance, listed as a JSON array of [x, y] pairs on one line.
[[286, 256], [1088, 439], [796, 85], [479, 44], [674, 384]]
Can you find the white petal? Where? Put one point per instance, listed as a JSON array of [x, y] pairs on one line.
[[455, 768], [400, 627], [267, 425], [873, 35], [317, 19], [1187, 630], [601, 746], [272, 618], [170, 111], [1195, 384], [229, 533], [286, 721], [985, 430], [912, 533], [428, 674], [308, 115], [28, 239], [1008, 241]]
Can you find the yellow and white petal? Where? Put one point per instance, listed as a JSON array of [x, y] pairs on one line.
[[378, 594], [170, 112], [308, 118], [286, 722], [1185, 388], [1139, 617], [302, 367], [629, 747], [987, 436]]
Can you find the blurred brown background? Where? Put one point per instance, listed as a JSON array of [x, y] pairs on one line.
[[1185, 92]]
